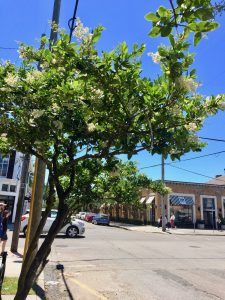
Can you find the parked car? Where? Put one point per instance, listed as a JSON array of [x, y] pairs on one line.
[[101, 219], [89, 217], [72, 229], [80, 214]]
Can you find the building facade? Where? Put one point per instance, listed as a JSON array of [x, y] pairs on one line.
[[10, 171], [191, 204]]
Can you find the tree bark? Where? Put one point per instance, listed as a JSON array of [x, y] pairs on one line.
[[29, 275]]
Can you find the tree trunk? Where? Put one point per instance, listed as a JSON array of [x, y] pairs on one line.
[[29, 275]]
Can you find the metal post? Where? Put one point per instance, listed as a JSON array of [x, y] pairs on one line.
[[40, 166], [163, 198], [55, 20], [20, 202]]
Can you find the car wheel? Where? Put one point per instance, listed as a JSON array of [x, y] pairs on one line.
[[25, 231], [95, 222], [72, 231]]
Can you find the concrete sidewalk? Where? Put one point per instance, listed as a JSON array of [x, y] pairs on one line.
[[13, 267], [177, 231]]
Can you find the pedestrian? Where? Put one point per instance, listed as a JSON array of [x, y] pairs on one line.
[[2, 207], [218, 221], [159, 221], [166, 221], [172, 221], [5, 213]]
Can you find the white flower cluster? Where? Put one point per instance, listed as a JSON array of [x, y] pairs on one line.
[[37, 113], [58, 124], [189, 84], [156, 58], [220, 100], [11, 80], [193, 139], [91, 127], [191, 126], [33, 76], [97, 93], [82, 32], [22, 52], [54, 26]]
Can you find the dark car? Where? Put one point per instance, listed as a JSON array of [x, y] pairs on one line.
[[101, 219]]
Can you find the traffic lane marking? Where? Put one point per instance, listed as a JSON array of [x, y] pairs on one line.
[[84, 286]]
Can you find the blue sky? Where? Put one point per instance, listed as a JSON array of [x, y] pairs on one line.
[[25, 21]]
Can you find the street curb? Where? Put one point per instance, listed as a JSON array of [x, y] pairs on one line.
[[168, 232]]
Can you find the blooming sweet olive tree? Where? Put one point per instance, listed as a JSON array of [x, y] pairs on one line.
[[85, 106]]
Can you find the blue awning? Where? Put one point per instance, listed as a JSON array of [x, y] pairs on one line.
[[181, 200]]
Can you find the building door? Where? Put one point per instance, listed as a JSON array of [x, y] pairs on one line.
[[152, 213], [209, 212], [210, 219]]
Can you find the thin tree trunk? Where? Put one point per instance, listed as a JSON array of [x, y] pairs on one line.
[[28, 276]]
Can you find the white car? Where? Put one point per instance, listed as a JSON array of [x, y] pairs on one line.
[[80, 214], [72, 229]]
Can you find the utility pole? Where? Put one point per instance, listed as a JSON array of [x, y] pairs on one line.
[[40, 166], [20, 203], [163, 197]]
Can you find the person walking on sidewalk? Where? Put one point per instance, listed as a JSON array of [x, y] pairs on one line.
[[172, 221], [5, 213]]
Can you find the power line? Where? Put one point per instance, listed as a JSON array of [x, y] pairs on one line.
[[8, 48], [211, 139], [203, 175], [71, 22], [175, 162]]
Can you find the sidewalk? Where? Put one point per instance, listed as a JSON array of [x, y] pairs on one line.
[[13, 267], [176, 231]]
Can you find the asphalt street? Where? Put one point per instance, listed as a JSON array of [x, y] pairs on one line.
[[113, 263]]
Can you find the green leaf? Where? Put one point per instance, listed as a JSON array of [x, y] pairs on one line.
[[165, 30], [172, 41], [193, 26], [204, 13], [151, 17], [197, 38], [205, 26], [163, 12], [192, 73], [186, 32], [155, 31]]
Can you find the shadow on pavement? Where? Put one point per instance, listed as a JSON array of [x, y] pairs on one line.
[[39, 291], [66, 285]]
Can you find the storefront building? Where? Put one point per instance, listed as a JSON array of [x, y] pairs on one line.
[[191, 204]]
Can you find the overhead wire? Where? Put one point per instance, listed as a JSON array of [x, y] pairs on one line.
[[197, 173], [71, 22], [183, 160], [8, 48]]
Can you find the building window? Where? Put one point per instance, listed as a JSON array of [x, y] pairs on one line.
[[208, 203], [12, 188], [4, 163], [5, 187], [182, 207]]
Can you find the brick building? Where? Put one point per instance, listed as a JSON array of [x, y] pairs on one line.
[[190, 203]]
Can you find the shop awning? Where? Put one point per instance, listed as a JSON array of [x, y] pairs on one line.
[[181, 200], [150, 199], [142, 200]]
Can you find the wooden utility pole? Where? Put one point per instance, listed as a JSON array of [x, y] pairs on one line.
[[163, 198], [40, 166], [20, 202]]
